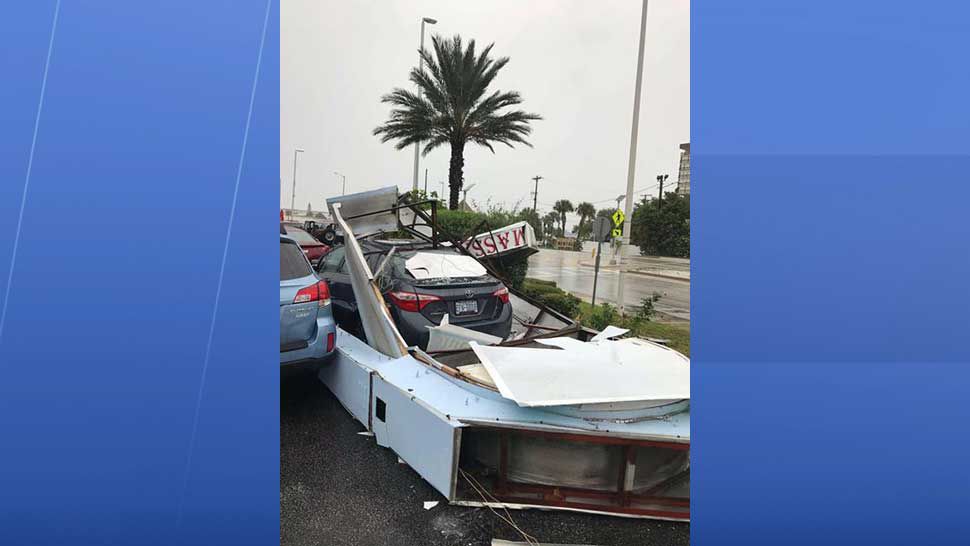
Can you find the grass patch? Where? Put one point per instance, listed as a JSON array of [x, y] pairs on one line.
[[677, 333]]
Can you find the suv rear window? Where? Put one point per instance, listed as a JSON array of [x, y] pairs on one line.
[[293, 264]]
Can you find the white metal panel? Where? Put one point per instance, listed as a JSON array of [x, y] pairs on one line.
[[347, 378], [587, 373], [446, 337], [441, 265], [425, 440], [381, 332], [368, 202]]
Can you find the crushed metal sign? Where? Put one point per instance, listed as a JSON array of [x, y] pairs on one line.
[[513, 237]]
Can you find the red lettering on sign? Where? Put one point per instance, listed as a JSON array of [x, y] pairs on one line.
[[519, 235], [489, 245], [476, 249], [504, 239]]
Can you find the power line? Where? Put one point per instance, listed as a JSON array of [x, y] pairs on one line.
[[641, 190]]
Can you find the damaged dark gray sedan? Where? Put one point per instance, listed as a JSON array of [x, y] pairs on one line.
[[421, 286]]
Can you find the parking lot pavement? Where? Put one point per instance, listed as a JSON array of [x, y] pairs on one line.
[[338, 488]]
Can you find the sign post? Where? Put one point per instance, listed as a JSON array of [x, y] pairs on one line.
[[601, 230]]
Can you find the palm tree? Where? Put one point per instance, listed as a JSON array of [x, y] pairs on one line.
[[562, 207], [549, 223], [451, 107], [586, 211]]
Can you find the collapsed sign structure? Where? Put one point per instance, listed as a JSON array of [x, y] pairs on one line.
[[550, 417], [512, 238]]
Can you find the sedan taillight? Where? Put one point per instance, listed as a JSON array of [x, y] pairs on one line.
[[502, 294], [315, 292], [410, 301]]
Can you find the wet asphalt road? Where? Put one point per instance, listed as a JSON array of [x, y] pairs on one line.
[[564, 268], [338, 488]]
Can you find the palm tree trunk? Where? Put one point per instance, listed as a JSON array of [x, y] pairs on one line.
[[455, 173]]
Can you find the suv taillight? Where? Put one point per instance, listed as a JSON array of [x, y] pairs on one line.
[[410, 301], [315, 292], [502, 294]]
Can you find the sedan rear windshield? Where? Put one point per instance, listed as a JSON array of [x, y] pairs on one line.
[[293, 264]]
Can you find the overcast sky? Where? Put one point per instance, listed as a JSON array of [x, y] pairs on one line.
[[573, 61]]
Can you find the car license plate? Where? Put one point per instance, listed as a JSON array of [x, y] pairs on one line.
[[466, 307]]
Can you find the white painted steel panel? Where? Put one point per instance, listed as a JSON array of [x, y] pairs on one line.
[[587, 372]]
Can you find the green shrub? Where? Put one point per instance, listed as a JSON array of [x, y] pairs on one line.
[[535, 286], [647, 311], [602, 316], [515, 271], [547, 293], [563, 302]]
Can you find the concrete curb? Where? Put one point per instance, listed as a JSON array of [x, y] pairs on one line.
[[636, 272]]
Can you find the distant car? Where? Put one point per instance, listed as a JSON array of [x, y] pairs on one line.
[[474, 300], [307, 327], [313, 248]]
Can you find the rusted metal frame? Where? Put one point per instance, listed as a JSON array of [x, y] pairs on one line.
[[448, 370], [663, 501], [516, 342], [560, 494], [590, 439], [531, 326], [682, 515], [392, 209]]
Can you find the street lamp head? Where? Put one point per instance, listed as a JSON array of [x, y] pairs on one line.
[[299, 150], [621, 197], [430, 21]]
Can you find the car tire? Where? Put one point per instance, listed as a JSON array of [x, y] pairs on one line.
[[329, 236]]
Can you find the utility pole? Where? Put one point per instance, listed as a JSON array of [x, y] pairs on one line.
[[661, 178], [426, 183], [632, 167], [535, 195]]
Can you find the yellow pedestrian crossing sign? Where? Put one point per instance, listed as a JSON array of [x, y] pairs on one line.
[[616, 233], [618, 218]]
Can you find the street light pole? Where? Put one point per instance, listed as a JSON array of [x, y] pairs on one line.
[[417, 145], [293, 194], [632, 167], [343, 189]]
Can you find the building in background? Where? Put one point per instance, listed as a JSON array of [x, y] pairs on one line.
[[683, 174]]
